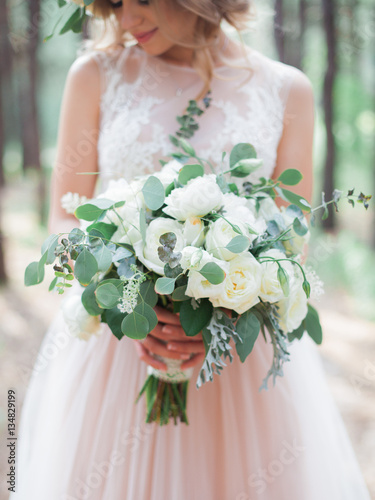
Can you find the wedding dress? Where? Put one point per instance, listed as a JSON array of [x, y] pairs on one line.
[[81, 434]]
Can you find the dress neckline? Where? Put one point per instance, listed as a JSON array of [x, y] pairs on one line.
[[241, 60]]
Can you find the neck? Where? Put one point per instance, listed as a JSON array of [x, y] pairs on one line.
[[183, 56]]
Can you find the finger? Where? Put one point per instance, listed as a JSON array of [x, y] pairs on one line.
[[192, 347], [195, 360], [144, 355], [165, 316], [154, 346]]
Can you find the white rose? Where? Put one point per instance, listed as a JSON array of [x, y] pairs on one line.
[[270, 290], [193, 231], [148, 253], [267, 209], [199, 197], [241, 285], [293, 309], [127, 219], [80, 323], [297, 243], [195, 259], [220, 233], [168, 172], [239, 208]]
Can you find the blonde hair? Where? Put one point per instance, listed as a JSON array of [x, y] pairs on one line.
[[210, 13]]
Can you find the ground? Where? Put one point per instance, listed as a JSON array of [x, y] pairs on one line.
[[348, 350]]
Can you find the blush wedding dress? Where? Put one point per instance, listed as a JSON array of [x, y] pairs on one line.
[[82, 436]]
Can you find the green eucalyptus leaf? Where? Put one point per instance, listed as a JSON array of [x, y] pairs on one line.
[[290, 177], [103, 256], [89, 300], [187, 147], [76, 236], [153, 192], [121, 253], [148, 294], [86, 267], [135, 326], [312, 325], [213, 273], [297, 333], [52, 285], [145, 310], [49, 246], [114, 318], [165, 286], [107, 295], [106, 230], [93, 209], [190, 172], [34, 274], [248, 328], [194, 320], [299, 227], [71, 21], [294, 198], [238, 244], [241, 151], [294, 211], [180, 294]]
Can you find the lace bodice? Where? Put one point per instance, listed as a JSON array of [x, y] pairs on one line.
[[142, 95]]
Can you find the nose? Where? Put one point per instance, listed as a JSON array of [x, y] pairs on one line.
[[130, 16]]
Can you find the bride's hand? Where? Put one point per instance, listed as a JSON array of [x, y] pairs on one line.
[[169, 340]]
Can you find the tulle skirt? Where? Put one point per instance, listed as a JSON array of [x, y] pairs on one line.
[[82, 436]]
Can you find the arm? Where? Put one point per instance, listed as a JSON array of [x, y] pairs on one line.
[[295, 146], [77, 140]]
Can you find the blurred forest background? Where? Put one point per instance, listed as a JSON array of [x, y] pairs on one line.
[[333, 42]]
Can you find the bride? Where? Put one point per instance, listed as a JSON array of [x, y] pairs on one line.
[[81, 435]]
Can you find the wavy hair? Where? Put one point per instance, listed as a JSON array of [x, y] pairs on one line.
[[106, 32]]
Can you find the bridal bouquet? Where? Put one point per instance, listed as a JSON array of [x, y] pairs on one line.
[[219, 252]]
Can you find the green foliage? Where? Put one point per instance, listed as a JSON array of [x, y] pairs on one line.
[[238, 244], [189, 172], [135, 326], [107, 295], [213, 273], [247, 328], [153, 192], [290, 177], [165, 286], [194, 319], [86, 267]]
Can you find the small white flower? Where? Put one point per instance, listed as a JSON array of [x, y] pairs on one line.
[[293, 309], [71, 201]]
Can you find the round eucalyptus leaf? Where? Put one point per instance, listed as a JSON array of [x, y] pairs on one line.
[[135, 326], [153, 192]]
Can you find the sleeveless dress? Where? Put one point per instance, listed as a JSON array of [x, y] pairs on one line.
[[81, 435]]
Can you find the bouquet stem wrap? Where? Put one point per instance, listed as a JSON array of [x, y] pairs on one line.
[[166, 392]]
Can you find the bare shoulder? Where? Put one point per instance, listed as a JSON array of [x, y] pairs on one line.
[[83, 81], [301, 94]]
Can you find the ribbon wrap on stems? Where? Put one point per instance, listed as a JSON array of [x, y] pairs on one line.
[[166, 392]]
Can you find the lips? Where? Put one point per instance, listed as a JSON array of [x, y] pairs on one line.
[[145, 36]]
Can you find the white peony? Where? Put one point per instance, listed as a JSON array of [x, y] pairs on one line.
[[127, 219], [293, 309], [194, 231], [168, 172], [241, 285], [270, 290], [199, 197], [195, 259], [80, 323], [148, 253]]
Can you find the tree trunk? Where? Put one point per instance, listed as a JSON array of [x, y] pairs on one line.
[[278, 27], [329, 81], [301, 38], [5, 65], [28, 100]]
